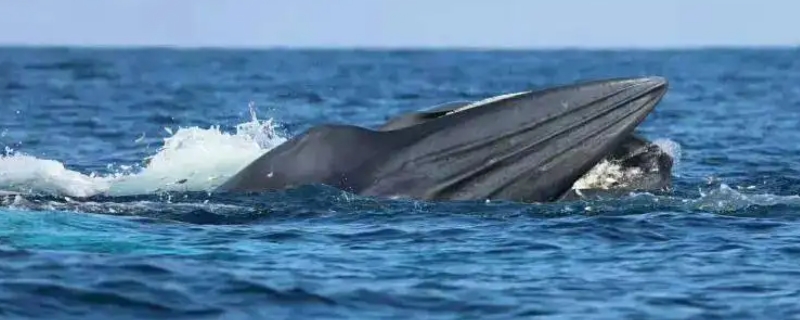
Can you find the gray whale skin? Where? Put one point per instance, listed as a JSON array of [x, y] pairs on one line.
[[530, 146]]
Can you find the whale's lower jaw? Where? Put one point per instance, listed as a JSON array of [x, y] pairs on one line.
[[637, 166]]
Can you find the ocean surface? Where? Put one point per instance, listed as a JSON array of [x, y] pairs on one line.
[[109, 156]]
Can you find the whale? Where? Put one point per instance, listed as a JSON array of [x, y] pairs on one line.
[[528, 146], [650, 165]]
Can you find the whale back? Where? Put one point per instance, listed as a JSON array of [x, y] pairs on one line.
[[327, 154]]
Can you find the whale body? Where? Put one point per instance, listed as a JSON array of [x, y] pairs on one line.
[[529, 146]]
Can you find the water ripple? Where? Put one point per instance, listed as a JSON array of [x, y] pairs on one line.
[[722, 244]]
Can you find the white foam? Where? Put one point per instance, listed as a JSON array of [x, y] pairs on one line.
[[27, 174], [19, 202], [672, 148], [191, 159], [606, 174], [726, 198]]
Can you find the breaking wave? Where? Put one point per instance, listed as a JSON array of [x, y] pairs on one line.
[[173, 168]]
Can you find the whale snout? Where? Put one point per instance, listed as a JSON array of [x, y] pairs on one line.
[[656, 86]]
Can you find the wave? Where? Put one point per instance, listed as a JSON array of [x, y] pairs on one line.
[[31, 183], [322, 201], [175, 166]]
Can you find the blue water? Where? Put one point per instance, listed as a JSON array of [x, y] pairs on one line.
[[94, 224]]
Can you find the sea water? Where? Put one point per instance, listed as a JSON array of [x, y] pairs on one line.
[[110, 156]]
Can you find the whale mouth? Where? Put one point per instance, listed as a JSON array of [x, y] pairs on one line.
[[637, 165]]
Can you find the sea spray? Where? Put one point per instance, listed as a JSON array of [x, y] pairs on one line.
[[191, 159]]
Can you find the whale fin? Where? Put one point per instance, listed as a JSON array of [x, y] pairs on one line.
[[410, 119]]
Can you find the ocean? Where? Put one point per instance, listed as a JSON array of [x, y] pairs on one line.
[[109, 156]]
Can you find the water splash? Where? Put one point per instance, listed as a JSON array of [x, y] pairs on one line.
[[724, 198], [721, 200], [27, 174], [606, 174], [191, 159], [672, 148]]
